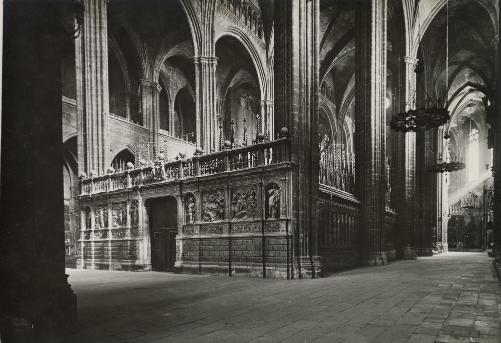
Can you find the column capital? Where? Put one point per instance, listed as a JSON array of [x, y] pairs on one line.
[[411, 60], [212, 60], [151, 84]]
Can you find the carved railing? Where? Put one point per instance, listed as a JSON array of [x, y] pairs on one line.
[[337, 168], [261, 154], [247, 13]]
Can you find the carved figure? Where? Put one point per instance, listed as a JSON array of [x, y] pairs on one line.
[[134, 213], [213, 206], [274, 203], [159, 171], [119, 214], [99, 219], [243, 204], [88, 225], [190, 209]]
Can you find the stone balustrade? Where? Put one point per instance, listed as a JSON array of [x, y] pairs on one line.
[[260, 154]]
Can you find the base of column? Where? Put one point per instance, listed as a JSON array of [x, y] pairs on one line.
[[378, 258], [445, 247], [310, 267], [409, 253], [442, 247], [40, 316]]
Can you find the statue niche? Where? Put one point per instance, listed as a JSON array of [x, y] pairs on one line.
[[213, 206], [101, 218], [119, 214], [243, 204], [87, 216], [272, 201], [189, 209], [134, 213]]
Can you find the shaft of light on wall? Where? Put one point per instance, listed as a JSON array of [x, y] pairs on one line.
[[455, 197]]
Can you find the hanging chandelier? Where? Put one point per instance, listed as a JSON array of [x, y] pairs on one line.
[[420, 119], [447, 162], [433, 114]]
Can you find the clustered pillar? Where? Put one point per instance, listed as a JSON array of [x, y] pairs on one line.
[[36, 298], [150, 92], [409, 251], [93, 83], [296, 97], [371, 125], [205, 73]]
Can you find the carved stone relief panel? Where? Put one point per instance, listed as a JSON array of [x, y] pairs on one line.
[[243, 203], [189, 208], [213, 205], [101, 217], [119, 213], [134, 213]]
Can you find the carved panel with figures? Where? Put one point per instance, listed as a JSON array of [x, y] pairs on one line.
[[243, 203], [213, 205], [119, 213], [101, 217]]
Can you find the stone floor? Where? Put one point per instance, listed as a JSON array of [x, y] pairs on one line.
[[449, 298]]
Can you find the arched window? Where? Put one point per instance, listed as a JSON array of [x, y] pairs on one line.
[[120, 161], [164, 110], [185, 123]]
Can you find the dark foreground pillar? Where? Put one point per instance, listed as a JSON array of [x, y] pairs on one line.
[[36, 299]]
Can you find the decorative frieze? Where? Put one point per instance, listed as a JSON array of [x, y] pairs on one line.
[[211, 229], [246, 228]]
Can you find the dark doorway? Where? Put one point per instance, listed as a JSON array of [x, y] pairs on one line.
[[163, 229]]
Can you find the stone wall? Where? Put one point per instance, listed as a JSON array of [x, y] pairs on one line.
[[234, 224]]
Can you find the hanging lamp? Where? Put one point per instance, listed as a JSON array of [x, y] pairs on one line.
[[433, 114]]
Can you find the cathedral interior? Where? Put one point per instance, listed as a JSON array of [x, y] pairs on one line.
[[258, 138]]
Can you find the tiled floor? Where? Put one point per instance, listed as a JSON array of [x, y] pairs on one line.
[[449, 298]]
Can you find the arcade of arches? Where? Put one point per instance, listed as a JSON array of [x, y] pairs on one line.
[[242, 137]]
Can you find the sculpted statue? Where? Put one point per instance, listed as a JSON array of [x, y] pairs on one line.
[[159, 171], [273, 203], [99, 219], [134, 213], [119, 214], [88, 225], [190, 209]]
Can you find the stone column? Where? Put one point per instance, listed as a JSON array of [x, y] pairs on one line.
[[36, 297], [410, 166], [172, 120], [150, 107], [144, 222], [205, 74], [264, 117], [496, 129], [371, 125], [93, 82], [296, 96], [270, 126]]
